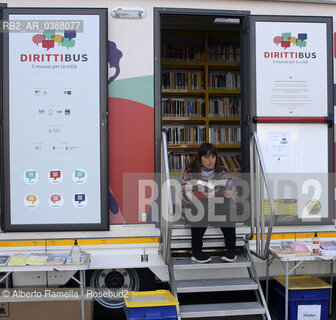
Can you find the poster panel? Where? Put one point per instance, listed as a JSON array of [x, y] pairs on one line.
[[291, 69], [54, 104]]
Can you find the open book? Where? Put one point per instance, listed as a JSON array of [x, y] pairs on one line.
[[213, 183]]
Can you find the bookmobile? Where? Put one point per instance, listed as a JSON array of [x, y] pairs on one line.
[[80, 140]]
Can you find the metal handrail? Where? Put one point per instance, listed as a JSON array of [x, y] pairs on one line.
[[167, 203], [259, 180]]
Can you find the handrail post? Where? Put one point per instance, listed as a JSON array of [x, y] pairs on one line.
[[259, 183]]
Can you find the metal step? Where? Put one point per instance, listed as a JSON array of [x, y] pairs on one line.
[[221, 309], [207, 243], [188, 264], [187, 286]]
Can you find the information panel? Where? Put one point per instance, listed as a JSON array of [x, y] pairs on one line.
[[291, 69], [56, 134]]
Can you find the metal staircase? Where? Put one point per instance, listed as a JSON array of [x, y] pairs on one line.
[[188, 277]]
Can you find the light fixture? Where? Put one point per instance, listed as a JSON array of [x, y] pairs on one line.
[[127, 12], [227, 20]]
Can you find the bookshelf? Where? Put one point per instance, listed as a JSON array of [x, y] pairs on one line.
[[200, 88]]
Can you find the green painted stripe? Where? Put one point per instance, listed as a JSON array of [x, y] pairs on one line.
[[140, 89]]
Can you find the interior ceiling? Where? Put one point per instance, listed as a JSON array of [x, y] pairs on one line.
[[195, 23]]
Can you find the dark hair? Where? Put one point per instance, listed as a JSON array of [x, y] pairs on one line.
[[203, 150]]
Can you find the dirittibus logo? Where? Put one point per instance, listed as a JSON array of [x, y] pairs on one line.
[[48, 39], [286, 40]]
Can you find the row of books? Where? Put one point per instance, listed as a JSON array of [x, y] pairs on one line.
[[192, 80], [186, 52], [295, 248], [227, 135], [224, 53], [196, 52], [225, 107], [37, 259], [220, 80], [179, 161], [185, 135], [183, 107], [232, 163]]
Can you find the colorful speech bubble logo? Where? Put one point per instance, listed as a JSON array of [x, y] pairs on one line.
[[31, 198], [79, 174], [277, 40], [302, 36], [68, 43], [286, 36], [80, 197], [301, 43], [70, 34], [47, 44], [38, 38], [293, 40], [49, 33], [30, 175], [55, 174], [55, 198], [285, 44], [57, 38]]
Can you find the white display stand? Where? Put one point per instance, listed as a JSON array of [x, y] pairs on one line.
[[63, 267]]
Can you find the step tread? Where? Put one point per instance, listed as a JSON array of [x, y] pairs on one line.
[[207, 243], [221, 309], [211, 285], [187, 263]]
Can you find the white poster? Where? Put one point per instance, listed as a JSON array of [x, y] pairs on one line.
[[54, 116], [277, 145], [291, 69], [309, 312]]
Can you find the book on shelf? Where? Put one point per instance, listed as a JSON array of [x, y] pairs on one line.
[[4, 260], [192, 135], [300, 249], [56, 259], [37, 259], [232, 163], [224, 135], [18, 259], [183, 107], [222, 107], [221, 80], [282, 252]]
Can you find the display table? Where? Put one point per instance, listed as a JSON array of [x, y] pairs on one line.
[[81, 267], [298, 260]]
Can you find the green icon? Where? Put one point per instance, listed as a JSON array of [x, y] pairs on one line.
[[49, 34], [68, 43], [301, 43], [79, 174], [30, 175], [286, 36]]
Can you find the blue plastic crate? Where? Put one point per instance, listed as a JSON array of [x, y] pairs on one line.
[[152, 313], [310, 291], [150, 305]]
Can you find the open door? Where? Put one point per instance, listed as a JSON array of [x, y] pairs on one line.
[[291, 108]]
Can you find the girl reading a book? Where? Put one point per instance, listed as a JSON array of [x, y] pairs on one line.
[[204, 180]]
